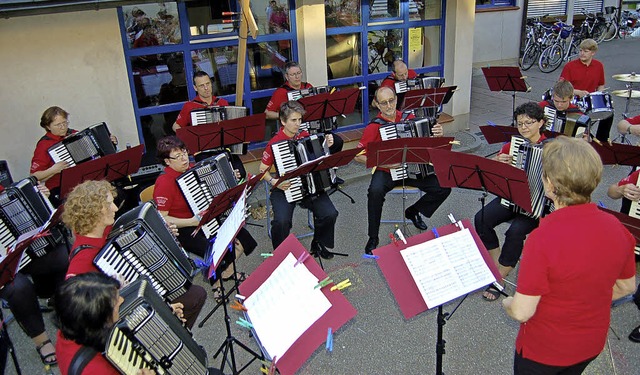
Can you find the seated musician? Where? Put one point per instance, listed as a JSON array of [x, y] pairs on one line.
[[586, 74], [90, 213], [293, 77], [55, 121], [47, 273], [399, 73], [530, 119], [629, 126], [381, 181], [324, 212], [560, 104], [172, 153], [573, 265], [87, 308]]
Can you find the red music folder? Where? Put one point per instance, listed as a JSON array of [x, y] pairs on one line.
[[399, 278], [340, 312]]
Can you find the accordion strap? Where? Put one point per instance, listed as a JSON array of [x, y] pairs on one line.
[[78, 249], [81, 359]]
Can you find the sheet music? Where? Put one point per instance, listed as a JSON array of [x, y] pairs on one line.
[[447, 267], [228, 230], [285, 306]]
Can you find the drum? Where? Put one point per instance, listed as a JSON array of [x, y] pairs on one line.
[[598, 105]]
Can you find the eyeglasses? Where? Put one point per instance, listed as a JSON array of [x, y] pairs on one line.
[[179, 156], [387, 102], [296, 74], [526, 124], [60, 125]]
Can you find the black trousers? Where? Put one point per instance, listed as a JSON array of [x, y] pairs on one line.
[[381, 184], [523, 366], [22, 294], [324, 217]]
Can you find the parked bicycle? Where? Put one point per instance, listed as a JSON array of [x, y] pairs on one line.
[[564, 48], [611, 23], [593, 26], [538, 38], [628, 23]]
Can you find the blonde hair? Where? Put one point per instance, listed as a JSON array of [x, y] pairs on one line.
[[589, 44], [573, 167], [84, 205]]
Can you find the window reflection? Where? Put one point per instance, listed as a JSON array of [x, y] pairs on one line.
[[266, 62], [343, 55], [385, 46], [221, 64], [424, 46], [159, 79], [342, 13], [379, 9], [425, 9], [152, 24], [205, 16]]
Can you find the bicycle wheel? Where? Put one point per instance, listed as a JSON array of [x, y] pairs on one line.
[[611, 30], [598, 33], [550, 58], [574, 50], [529, 57]]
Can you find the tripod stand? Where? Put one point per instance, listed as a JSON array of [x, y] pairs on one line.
[[8, 345], [506, 78]]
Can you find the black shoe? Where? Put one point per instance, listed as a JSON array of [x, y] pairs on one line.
[[371, 245], [318, 249], [635, 334], [415, 218], [338, 181]]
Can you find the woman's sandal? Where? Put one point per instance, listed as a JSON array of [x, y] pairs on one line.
[[240, 275], [46, 358], [491, 290], [217, 294]]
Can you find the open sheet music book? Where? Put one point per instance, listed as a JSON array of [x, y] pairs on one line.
[[285, 306], [447, 267], [227, 232]]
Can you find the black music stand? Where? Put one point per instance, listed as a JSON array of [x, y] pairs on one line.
[[506, 78], [223, 133], [109, 167], [402, 151], [326, 104]]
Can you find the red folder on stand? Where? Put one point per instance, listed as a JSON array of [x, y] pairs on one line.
[[340, 312], [399, 277]]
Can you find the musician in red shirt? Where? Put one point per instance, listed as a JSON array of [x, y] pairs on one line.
[[570, 272], [87, 307], [324, 212], [90, 213], [630, 125], [381, 181], [586, 74], [400, 73], [561, 104], [530, 119], [204, 99]]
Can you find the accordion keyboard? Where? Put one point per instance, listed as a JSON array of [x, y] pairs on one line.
[[285, 160]]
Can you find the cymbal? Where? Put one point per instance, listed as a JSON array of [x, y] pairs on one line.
[[633, 77], [625, 93]]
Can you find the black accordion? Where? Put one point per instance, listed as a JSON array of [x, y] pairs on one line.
[[418, 83], [203, 182], [528, 157], [88, 144], [211, 115], [141, 243], [415, 128], [571, 124], [324, 125], [22, 209], [149, 335], [290, 154]]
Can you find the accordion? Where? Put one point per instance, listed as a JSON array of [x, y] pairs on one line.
[[203, 182], [212, 115], [88, 144], [409, 129], [418, 83], [289, 155], [528, 157], [569, 124], [142, 244], [22, 209], [316, 126], [149, 335]]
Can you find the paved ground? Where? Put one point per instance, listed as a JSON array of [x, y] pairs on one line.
[[480, 337]]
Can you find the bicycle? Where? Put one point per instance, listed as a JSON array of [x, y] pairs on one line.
[[611, 23], [565, 48], [628, 23], [593, 26], [538, 38]]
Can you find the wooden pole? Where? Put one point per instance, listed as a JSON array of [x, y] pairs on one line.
[[247, 24]]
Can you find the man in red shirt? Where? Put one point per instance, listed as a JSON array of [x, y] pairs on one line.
[[324, 212], [204, 99], [560, 108], [399, 72], [381, 182], [586, 74]]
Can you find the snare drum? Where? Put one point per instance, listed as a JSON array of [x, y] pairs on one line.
[[598, 105]]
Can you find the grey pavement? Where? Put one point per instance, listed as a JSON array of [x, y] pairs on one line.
[[479, 336]]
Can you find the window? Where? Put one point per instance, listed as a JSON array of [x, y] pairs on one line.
[[494, 3]]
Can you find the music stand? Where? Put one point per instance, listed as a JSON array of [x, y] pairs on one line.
[[617, 153], [223, 133], [340, 312], [403, 285], [506, 78], [432, 97], [109, 167], [498, 133], [332, 104]]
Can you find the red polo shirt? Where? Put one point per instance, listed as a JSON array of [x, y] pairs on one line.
[[391, 80], [280, 95], [67, 349], [584, 77], [184, 118], [82, 262], [267, 154], [41, 159], [168, 195], [634, 120], [372, 133]]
